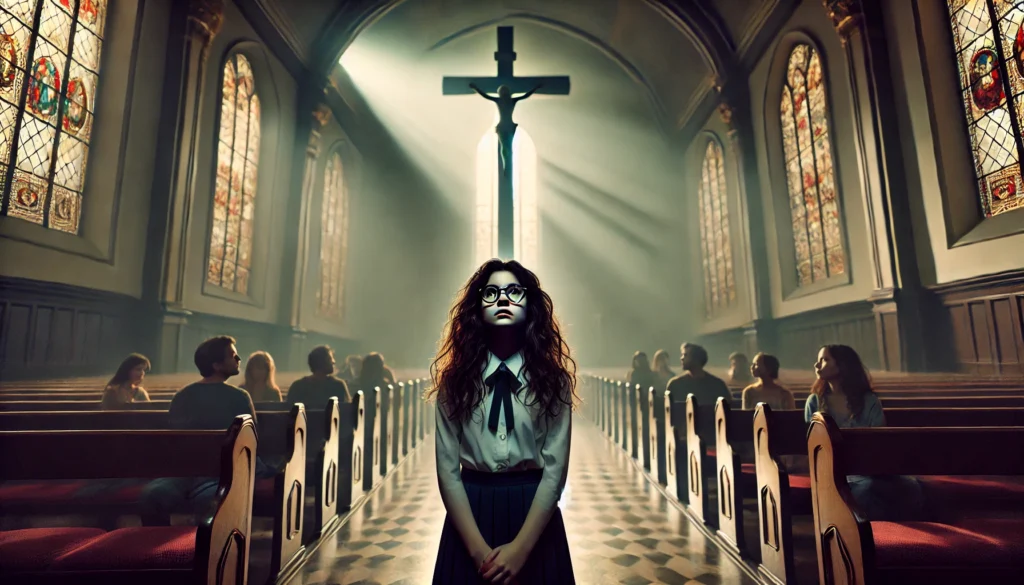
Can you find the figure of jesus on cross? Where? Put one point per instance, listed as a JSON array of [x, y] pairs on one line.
[[506, 85]]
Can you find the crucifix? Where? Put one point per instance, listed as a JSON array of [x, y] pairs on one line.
[[505, 85]]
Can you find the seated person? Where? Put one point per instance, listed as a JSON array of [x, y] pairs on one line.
[[705, 387], [209, 404], [662, 373], [126, 385], [373, 374], [766, 369], [353, 364], [641, 373], [259, 378], [316, 389], [843, 391], [739, 368]]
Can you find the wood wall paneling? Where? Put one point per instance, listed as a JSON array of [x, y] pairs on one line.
[[984, 318], [52, 330]]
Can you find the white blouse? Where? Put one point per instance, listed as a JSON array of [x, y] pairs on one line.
[[536, 442]]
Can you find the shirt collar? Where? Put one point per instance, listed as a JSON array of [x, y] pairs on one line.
[[514, 364]]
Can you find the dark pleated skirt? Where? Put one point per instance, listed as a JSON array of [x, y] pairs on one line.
[[500, 502]]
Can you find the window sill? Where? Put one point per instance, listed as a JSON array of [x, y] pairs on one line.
[[829, 283], [24, 231], [212, 290], [992, 228]]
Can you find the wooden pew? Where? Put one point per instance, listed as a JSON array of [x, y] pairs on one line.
[[675, 417], [614, 393], [281, 498], [397, 403], [407, 393], [645, 428], [383, 416], [217, 550], [656, 433], [699, 421], [781, 495], [633, 414], [854, 551], [372, 439], [18, 406]]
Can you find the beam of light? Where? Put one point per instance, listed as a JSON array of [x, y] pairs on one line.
[[525, 199]]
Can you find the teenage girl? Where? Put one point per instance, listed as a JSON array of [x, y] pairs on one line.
[[505, 383], [126, 385]]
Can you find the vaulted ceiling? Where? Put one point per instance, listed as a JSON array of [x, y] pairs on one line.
[[676, 47]]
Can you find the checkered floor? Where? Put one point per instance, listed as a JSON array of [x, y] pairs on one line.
[[621, 529]]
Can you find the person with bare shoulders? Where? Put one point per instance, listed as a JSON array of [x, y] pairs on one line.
[[766, 369], [126, 385], [739, 369]]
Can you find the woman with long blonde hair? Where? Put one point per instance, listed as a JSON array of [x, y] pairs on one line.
[[259, 378]]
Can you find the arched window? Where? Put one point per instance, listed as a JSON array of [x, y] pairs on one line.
[[991, 60], [719, 283], [817, 235], [49, 69], [524, 187], [334, 238], [234, 196]]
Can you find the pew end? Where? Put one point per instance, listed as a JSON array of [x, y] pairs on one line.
[[775, 434], [853, 550], [219, 544]]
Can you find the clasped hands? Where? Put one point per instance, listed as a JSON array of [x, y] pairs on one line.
[[502, 564]]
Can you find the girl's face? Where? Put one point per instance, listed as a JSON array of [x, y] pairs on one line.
[[137, 374], [503, 300], [755, 367], [826, 367], [260, 371]]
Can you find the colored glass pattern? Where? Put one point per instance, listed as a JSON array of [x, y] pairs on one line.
[[49, 69], [810, 175], [234, 196], [524, 187], [334, 238], [991, 66], [719, 280]]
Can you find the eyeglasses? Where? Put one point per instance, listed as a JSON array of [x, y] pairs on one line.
[[514, 292]]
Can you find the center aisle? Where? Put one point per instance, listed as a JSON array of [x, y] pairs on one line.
[[621, 529]]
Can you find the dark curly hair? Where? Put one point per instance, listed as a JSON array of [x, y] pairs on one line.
[[462, 351]]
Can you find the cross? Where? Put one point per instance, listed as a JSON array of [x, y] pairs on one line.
[[505, 84]]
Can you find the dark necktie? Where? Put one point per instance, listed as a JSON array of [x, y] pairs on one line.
[[503, 383]]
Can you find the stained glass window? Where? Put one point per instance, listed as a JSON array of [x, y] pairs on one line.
[[719, 282], [334, 238], [810, 176], [524, 188], [234, 196], [991, 61], [49, 69]]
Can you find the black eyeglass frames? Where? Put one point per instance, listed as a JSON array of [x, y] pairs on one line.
[[514, 292]]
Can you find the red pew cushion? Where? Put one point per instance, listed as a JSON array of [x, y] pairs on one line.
[[800, 481], [989, 542], [35, 548], [148, 547]]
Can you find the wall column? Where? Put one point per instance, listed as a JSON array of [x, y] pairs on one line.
[[749, 219], [898, 295], [192, 33], [319, 118]]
